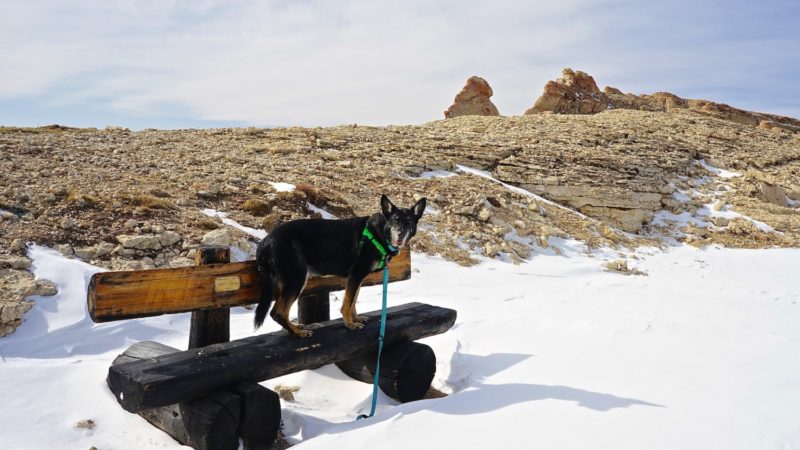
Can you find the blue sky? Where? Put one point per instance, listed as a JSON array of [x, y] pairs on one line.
[[180, 64]]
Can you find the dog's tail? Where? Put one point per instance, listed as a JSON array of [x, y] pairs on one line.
[[265, 299]]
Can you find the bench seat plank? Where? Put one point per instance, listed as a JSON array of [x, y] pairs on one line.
[[186, 375]]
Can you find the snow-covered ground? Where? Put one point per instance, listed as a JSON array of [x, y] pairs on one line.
[[704, 353]]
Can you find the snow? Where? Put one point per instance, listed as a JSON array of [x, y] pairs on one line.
[[701, 218], [325, 214], [260, 234], [553, 353], [722, 173], [436, 174], [539, 198], [282, 187]]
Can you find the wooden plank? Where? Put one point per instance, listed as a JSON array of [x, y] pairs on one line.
[[182, 376], [211, 326], [143, 293]]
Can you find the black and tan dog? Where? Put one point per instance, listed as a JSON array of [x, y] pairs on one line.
[[347, 247]]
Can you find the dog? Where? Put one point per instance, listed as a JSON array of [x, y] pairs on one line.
[[301, 248]]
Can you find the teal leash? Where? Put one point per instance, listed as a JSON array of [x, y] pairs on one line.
[[380, 345]]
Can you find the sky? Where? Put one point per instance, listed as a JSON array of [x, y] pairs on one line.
[[194, 64]]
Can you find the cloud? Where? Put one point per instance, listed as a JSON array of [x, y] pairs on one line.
[[378, 62]]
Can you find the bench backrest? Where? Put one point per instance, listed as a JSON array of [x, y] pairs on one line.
[[143, 293]]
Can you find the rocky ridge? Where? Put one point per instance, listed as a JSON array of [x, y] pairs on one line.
[[507, 187]]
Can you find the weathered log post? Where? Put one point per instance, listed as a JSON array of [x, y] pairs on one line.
[[212, 326], [314, 307], [407, 369], [218, 419], [209, 422]]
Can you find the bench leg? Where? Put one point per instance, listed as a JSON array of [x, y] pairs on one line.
[[217, 420], [407, 369], [313, 308]]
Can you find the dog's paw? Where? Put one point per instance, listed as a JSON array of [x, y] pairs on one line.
[[361, 319], [303, 333], [354, 325]]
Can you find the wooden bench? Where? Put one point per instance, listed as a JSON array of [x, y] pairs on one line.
[[208, 396]]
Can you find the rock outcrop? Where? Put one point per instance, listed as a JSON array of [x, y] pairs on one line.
[[665, 101], [16, 284], [577, 93], [574, 93], [473, 100]]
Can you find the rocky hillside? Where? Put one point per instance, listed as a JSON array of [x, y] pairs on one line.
[[621, 177]]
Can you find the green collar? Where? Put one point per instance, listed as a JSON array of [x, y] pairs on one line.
[[385, 255]]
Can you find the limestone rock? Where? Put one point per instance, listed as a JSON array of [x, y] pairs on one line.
[[11, 313], [473, 100], [45, 288], [94, 251], [169, 238], [665, 101], [235, 239], [68, 223], [220, 236], [140, 241], [574, 93], [773, 193], [18, 246], [621, 266], [14, 262], [15, 286]]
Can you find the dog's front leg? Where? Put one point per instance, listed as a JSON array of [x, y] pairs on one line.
[[351, 320]]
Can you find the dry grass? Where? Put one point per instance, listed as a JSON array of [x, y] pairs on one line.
[[313, 194], [207, 224], [81, 199], [148, 202], [257, 207], [271, 221]]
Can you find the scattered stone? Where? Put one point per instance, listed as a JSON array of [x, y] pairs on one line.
[[286, 393], [169, 238], [86, 253], [68, 223], [773, 193], [11, 313], [473, 100], [220, 236], [18, 246], [45, 288], [720, 221], [65, 249], [621, 266], [87, 424], [484, 214], [181, 262], [8, 215], [14, 262], [145, 242]]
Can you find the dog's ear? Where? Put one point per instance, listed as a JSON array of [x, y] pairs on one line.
[[387, 208], [419, 207]]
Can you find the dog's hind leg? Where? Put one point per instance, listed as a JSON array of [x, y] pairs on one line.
[[280, 314], [283, 304]]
